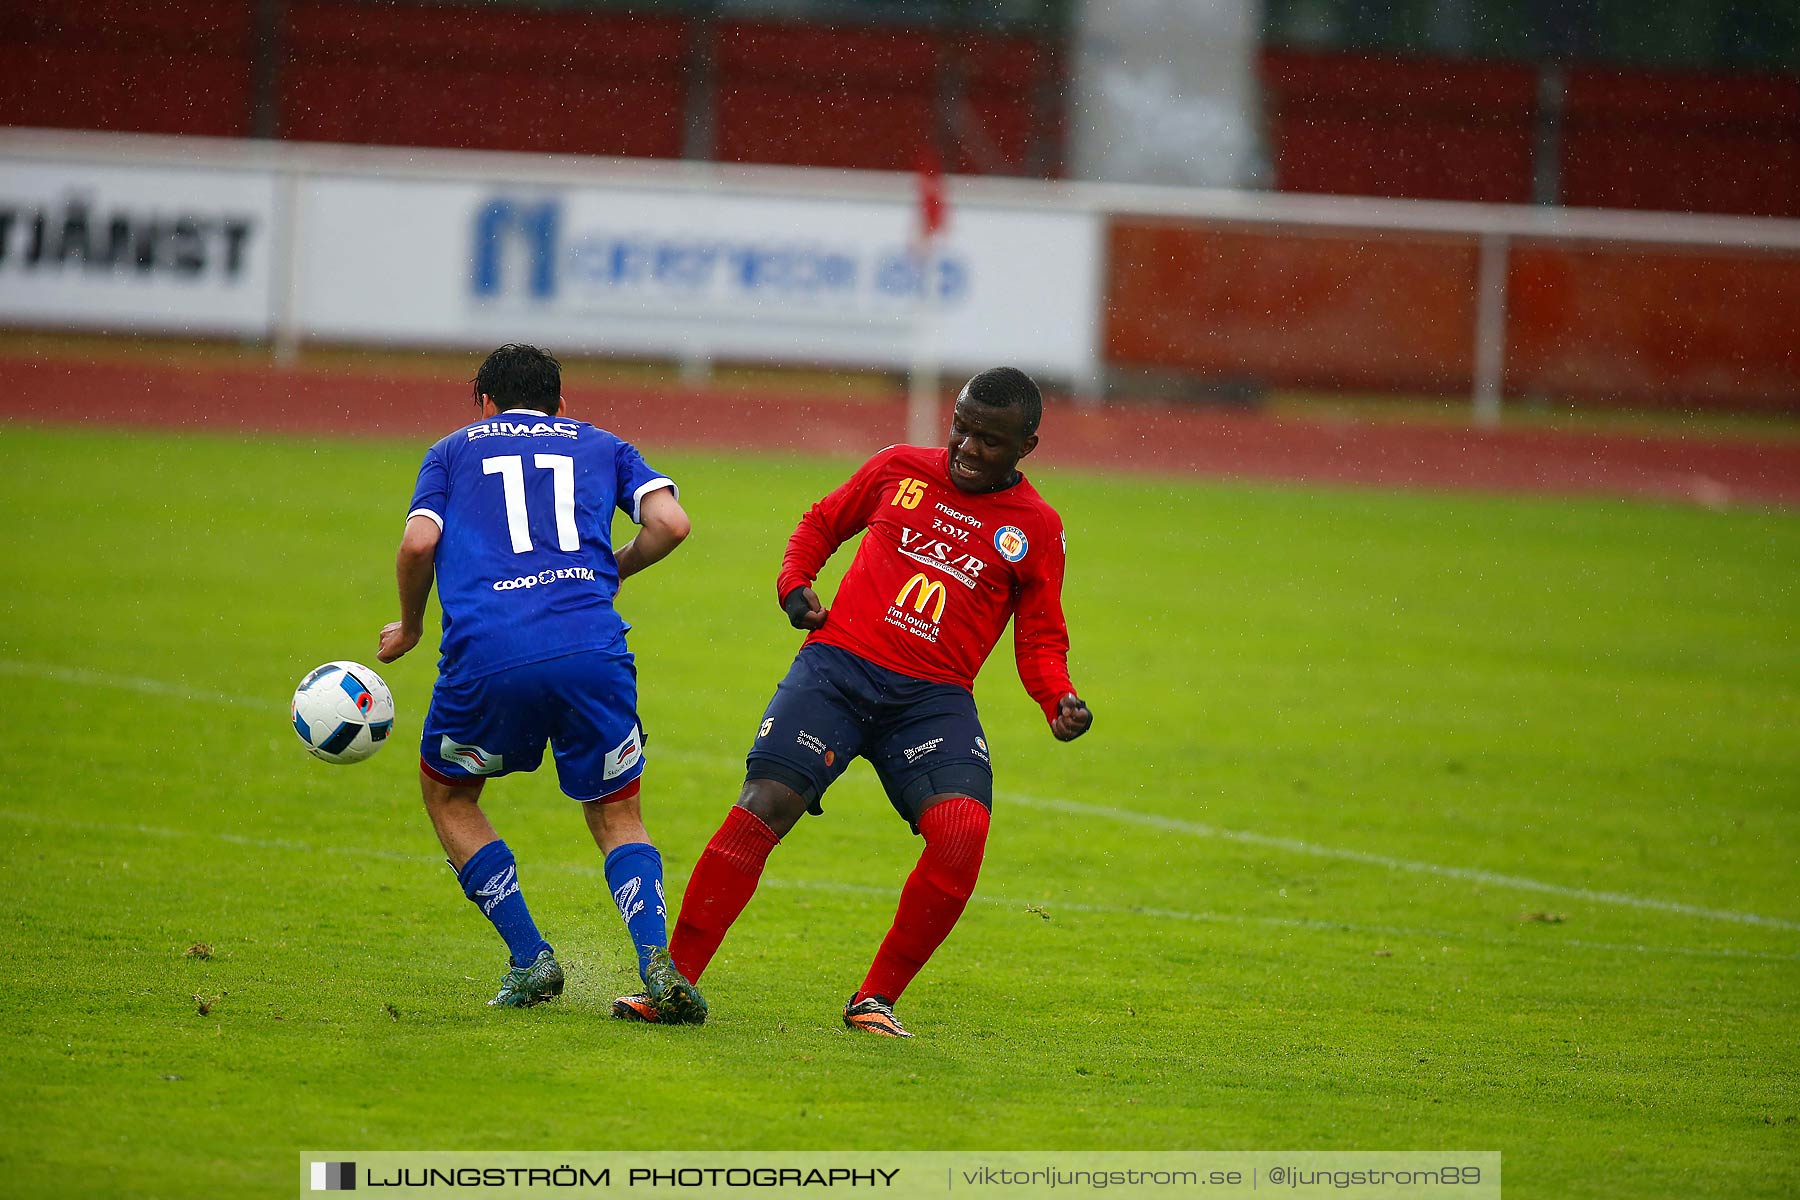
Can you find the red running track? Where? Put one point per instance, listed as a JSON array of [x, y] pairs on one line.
[[1715, 472]]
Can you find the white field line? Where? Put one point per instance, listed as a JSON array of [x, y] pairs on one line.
[[1304, 923], [126, 683], [1068, 807], [1472, 874], [887, 895]]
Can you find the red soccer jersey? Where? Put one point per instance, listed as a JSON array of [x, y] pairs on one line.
[[939, 573]]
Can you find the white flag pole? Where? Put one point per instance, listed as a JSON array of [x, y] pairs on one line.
[[922, 378]]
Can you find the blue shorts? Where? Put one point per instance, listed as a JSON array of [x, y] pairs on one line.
[[922, 738], [584, 705]]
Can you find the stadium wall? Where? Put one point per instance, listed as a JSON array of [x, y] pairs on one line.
[[1581, 135], [668, 84], [553, 80], [1617, 322], [608, 256], [1074, 281]]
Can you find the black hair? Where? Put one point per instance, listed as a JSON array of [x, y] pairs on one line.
[[1008, 387], [520, 376]]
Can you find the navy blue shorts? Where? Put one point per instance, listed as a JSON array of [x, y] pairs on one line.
[[584, 705], [922, 738]]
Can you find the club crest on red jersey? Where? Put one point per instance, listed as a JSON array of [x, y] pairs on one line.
[[1010, 542]]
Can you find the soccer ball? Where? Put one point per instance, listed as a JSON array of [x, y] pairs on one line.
[[343, 712]]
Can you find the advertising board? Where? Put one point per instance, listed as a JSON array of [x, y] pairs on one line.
[[694, 272], [152, 248]]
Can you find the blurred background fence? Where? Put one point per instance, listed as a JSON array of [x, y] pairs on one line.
[[1532, 200]]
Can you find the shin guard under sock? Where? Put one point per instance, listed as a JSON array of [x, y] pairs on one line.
[[723, 881], [490, 879], [934, 897]]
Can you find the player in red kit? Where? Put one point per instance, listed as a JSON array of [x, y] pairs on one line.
[[958, 543]]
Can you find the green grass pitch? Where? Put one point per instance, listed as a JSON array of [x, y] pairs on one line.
[[1407, 822]]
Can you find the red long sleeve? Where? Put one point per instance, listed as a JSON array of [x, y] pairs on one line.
[[939, 573], [830, 523]]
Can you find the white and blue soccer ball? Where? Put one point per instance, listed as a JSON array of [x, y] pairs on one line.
[[343, 712]]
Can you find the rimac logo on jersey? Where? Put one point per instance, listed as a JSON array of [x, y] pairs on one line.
[[501, 428], [1010, 542], [625, 755]]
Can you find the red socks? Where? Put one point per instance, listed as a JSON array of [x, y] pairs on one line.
[[932, 901], [934, 896], [723, 881]]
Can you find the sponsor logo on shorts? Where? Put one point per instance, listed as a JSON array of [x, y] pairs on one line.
[[625, 755], [810, 742], [981, 750], [1010, 542], [546, 576], [472, 759], [830, 757], [914, 753], [768, 724]]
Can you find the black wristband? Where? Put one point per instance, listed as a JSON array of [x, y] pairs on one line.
[[796, 607]]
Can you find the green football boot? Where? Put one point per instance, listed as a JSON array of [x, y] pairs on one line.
[[529, 985], [677, 1001]]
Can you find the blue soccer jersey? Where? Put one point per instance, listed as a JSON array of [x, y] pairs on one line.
[[525, 567]]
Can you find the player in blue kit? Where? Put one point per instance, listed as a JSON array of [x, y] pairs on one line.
[[512, 515]]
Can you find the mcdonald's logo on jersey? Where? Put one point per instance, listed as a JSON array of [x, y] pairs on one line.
[[930, 593]]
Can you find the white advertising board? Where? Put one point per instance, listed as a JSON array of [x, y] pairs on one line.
[[700, 272], [157, 248]]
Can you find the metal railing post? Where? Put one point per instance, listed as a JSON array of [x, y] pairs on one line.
[[1490, 328]]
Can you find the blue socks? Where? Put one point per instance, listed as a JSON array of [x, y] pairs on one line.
[[490, 880], [634, 873]]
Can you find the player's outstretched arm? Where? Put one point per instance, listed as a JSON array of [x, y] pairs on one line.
[[1073, 718], [666, 526], [803, 609], [413, 569]]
